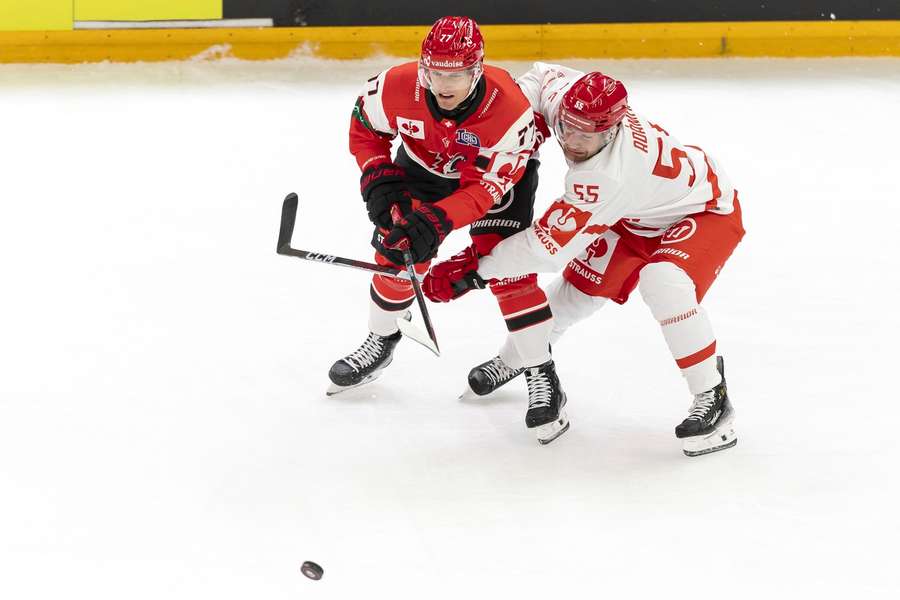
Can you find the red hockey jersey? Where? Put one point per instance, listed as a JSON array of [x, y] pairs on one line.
[[487, 151]]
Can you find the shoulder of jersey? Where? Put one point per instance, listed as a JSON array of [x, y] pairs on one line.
[[509, 96], [400, 86]]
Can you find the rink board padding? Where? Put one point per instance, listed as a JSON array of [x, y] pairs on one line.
[[61, 15], [146, 10], [503, 42], [523, 12], [28, 15], [55, 15]]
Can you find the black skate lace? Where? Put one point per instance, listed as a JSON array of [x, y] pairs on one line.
[[366, 354], [498, 371], [540, 390], [703, 402]]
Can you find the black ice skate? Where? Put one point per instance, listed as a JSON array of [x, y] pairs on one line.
[[488, 376], [546, 414], [363, 365], [710, 425]]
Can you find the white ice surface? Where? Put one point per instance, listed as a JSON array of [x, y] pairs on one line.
[[164, 432]]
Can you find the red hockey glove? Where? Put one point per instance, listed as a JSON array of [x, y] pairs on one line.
[[453, 277], [383, 186], [420, 231]]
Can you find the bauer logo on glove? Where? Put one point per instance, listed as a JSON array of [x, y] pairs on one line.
[[420, 231]]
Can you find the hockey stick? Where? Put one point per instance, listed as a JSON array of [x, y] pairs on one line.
[[289, 217], [405, 326], [286, 232]]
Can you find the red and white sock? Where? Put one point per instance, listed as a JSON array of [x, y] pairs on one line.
[[672, 298], [529, 321]]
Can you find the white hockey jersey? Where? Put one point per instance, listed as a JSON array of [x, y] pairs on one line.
[[645, 177]]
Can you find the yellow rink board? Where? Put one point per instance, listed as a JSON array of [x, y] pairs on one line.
[[35, 15], [146, 10], [503, 42]]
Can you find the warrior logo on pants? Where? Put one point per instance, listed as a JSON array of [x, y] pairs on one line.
[[679, 232]]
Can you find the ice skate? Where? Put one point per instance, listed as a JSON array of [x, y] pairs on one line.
[[710, 425], [546, 415], [487, 377], [363, 365]]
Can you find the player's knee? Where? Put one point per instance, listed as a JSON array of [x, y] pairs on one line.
[[570, 305], [666, 289]]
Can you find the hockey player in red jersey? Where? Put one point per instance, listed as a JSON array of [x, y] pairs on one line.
[[467, 136], [639, 208]]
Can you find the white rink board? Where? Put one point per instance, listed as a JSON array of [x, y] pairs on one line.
[[164, 431]]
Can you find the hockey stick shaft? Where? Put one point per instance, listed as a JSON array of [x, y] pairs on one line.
[[286, 231], [420, 297], [420, 300]]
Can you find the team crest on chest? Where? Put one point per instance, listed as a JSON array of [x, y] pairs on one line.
[[563, 221], [411, 127], [467, 138]]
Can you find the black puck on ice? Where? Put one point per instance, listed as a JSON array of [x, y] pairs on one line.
[[312, 570]]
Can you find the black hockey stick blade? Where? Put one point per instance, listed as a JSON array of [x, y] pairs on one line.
[[288, 218], [286, 232]]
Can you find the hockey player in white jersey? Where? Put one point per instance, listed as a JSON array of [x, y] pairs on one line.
[[640, 209]]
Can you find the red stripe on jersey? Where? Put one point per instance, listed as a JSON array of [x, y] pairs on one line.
[[696, 357], [713, 180]]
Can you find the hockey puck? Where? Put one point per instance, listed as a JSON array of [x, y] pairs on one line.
[[312, 570]]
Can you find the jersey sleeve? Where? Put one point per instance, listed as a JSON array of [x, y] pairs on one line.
[[371, 130], [492, 173], [544, 85], [589, 207]]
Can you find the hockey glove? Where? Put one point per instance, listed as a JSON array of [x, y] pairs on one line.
[[420, 231], [450, 279], [383, 186]]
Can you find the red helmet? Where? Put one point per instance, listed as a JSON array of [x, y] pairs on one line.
[[594, 103], [453, 44]]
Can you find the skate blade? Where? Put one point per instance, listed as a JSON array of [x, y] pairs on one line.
[[417, 335], [722, 438], [335, 389], [469, 394], [550, 431]]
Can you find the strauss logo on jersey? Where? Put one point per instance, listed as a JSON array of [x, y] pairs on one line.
[[596, 250], [563, 222]]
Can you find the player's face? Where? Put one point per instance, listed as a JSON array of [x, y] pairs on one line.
[[579, 145], [450, 87]]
